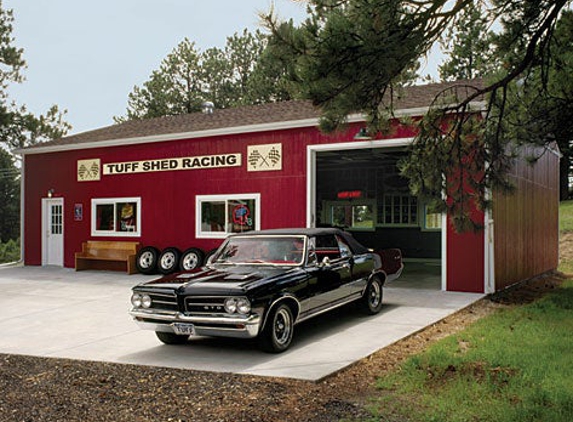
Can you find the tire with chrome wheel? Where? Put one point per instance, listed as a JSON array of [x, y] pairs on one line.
[[171, 338], [209, 255], [373, 295], [169, 260], [146, 260], [190, 259], [277, 334]]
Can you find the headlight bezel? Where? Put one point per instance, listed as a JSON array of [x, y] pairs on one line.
[[237, 305], [146, 301], [136, 300], [141, 300]]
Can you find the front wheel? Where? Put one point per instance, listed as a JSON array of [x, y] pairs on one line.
[[372, 299], [276, 337], [171, 338]]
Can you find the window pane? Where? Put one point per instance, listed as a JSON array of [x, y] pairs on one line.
[[126, 217], [104, 217], [400, 209], [433, 219], [241, 215], [362, 217], [213, 216], [341, 216]]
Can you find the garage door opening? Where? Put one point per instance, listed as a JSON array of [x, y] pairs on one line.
[[361, 190]]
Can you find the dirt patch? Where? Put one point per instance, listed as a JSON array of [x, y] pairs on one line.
[[566, 247], [42, 389]]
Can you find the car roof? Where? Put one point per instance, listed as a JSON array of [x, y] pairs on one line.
[[294, 231], [318, 231]]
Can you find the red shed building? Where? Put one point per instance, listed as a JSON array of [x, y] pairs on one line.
[[190, 180]]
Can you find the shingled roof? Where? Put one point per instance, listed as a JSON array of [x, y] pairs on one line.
[[411, 98]]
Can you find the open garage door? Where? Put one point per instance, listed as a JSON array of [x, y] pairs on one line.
[[362, 191]]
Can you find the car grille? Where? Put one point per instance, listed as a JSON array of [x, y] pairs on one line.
[[205, 305], [163, 301]]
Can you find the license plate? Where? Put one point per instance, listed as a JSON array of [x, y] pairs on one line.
[[184, 329]]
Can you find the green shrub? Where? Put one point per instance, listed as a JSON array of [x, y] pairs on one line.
[[10, 251]]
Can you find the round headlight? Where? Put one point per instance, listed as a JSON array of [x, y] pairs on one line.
[[231, 305], [145, 301], [136, 300], [243, 305]]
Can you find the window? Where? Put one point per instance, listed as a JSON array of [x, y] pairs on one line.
[[399, 210], [432, 219], [116, 217], [220, 215], [351, 215]]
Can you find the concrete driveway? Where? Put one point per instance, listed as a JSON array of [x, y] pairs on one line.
[[57, 312]]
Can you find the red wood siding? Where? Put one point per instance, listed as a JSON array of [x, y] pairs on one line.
[[168, 197], [465, 258], [526, 222]]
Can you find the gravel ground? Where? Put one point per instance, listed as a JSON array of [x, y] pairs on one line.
[[36, 389]]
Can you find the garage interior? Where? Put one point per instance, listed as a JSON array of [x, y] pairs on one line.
[[361, 190]]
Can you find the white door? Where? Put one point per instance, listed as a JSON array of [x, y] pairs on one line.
[[53, 231]]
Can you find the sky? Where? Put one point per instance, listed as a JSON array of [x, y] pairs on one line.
[[86, 56]]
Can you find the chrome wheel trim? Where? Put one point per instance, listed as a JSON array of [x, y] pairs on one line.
[[168, 260], [374, 294], [190, 261], [146, 259], [282, 326]]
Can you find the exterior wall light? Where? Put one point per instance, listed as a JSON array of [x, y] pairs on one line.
[[50, 193]]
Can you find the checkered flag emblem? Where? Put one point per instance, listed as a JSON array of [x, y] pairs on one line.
[[88, 170], [274, 156]]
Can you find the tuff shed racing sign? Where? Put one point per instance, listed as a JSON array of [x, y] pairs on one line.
[[171, 164]]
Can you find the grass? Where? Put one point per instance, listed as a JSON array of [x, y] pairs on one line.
[[566, 216], [566, 228], [512, 366], [515, 365]]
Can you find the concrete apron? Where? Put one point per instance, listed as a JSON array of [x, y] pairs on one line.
[[60, 313]]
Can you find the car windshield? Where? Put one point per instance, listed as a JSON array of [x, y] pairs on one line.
[[263, 250]]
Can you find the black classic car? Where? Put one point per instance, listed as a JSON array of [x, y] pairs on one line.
[[261, 284]]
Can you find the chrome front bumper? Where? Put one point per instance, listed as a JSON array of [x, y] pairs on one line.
[[216, 326]]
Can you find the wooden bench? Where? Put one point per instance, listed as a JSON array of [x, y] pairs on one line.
[[107, 255]]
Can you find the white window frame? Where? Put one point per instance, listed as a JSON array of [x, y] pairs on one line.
[[424, 224], [114, 202], [415, 223], [199, 199]]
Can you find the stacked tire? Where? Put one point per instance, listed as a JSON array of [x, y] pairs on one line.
[[151, 260]]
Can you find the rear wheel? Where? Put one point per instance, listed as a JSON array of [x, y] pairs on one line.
[[171, 338], [372, 299], [276, 337], [190, 259], [146, 260], [169, 260]]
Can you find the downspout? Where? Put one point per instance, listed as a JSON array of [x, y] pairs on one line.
[[22, 220], [489, 248]]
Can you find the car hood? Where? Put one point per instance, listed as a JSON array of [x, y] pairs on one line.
[[222, 280]]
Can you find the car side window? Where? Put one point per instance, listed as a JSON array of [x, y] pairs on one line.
[[327, 246], [312, 258], [345, 251]]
